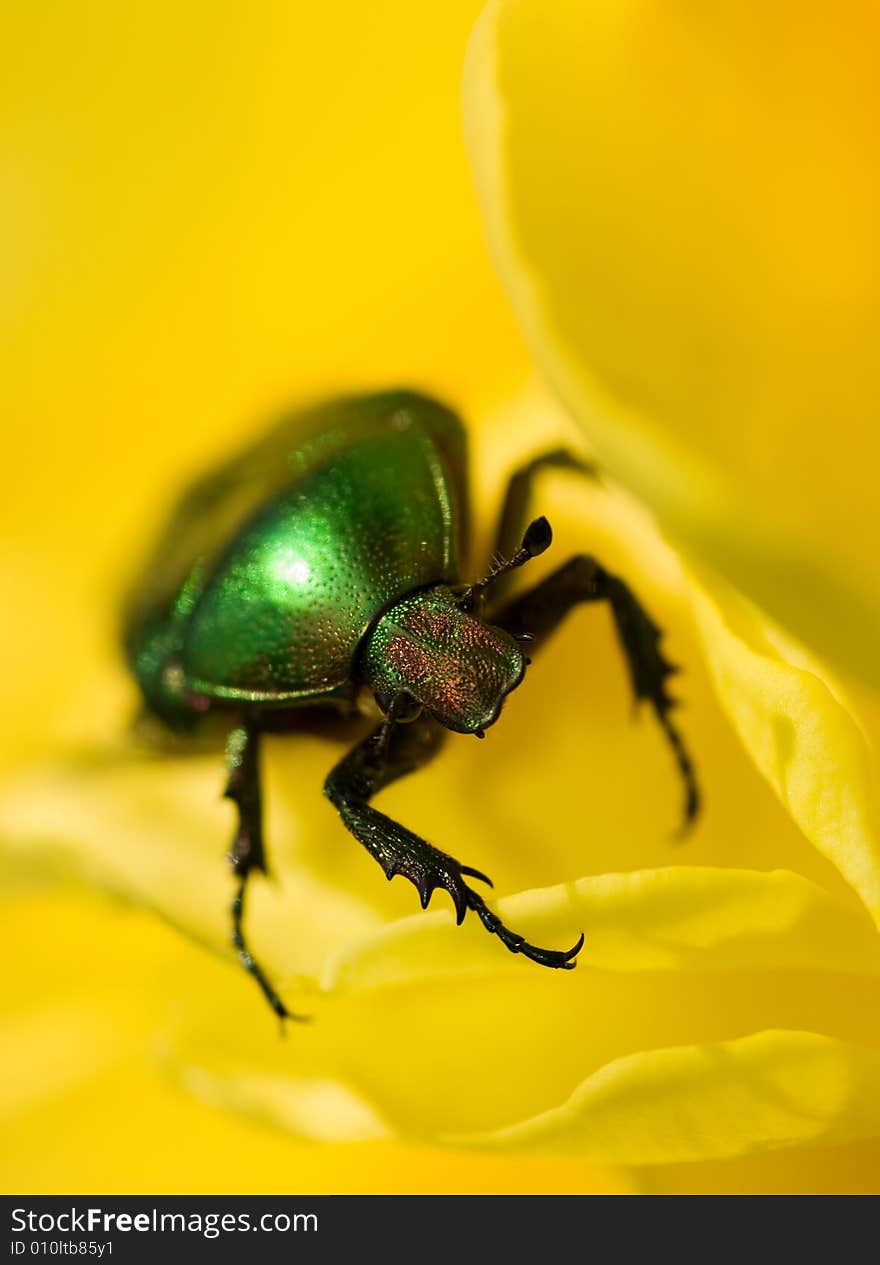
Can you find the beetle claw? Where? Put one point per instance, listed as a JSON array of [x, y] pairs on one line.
[[556, 959], [428, 869], [484, 878], [459, 900], [457, 889], [449, 885]]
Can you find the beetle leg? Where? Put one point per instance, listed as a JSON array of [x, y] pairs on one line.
[[243, 788], [535, 614], [517, 497], [247, 852], [385, 755]]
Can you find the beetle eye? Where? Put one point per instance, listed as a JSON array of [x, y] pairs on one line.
[[404, 709], [468, 599], [401, 707]]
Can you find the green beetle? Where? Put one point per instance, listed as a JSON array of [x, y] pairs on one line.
[[319, 573]]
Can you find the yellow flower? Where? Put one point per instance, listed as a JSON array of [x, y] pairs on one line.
[[683, 202], [256, 211]]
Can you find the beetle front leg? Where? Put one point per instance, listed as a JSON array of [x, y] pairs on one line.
[[535, 614], [248, 852], [389, 753], [518, 496]]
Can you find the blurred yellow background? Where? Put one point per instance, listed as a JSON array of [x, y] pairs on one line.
[[211, 211]]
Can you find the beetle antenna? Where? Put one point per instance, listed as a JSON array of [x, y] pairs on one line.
[[538, 536]]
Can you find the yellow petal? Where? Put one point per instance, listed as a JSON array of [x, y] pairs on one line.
[[684, 918], [769, 1090], [683, 203], [153, 831], [316, 1109], [208, 214], [850, 1169], [800, 734], [87, 1102]]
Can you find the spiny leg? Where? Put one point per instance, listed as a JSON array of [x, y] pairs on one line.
[[389, 753], [247, 852], [535, 614]]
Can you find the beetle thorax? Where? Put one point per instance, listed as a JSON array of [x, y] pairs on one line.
[[456, 667]]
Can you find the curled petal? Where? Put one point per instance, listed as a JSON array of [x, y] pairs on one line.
[[761, 1092], [800, 733], [682, 201], [680, 918]]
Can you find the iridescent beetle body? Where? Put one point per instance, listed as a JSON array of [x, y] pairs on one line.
[[324, 563], [274, 568]]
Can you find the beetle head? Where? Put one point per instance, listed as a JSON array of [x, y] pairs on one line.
[[456, 667]]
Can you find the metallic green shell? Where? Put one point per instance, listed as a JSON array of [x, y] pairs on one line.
[[272, 568]]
